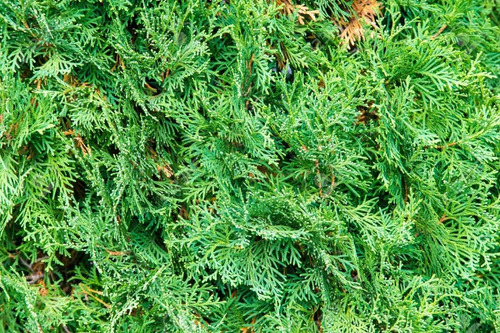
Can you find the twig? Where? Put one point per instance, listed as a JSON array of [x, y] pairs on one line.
[[250, 63], [149, 87], [29, 266], [443, 218], [444, 26], [34, 278], [445, 146], [116, 253], [333, 181], [91, 290], [87, 292]]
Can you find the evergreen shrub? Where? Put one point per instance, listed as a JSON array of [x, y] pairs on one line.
[[249, 166]]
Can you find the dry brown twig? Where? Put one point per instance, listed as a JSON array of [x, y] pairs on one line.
[[436, 35]]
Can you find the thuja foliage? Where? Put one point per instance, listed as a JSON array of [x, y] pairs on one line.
[[249, 166]]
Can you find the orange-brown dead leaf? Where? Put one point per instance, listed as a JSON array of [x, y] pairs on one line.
[[165, 169], [250, 63], [164, 75], [43, 290], [116, 253], [302, 11], [366, 12], [183, 212], [365, 116], [246, 329], [80, 144], [118, 62], [12, 131]]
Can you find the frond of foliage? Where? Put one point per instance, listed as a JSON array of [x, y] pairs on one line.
[[249, 166]]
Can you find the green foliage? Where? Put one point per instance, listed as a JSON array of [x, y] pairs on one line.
[[221, 166]]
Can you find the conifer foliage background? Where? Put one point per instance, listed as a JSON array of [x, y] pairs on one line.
[[249, 166]]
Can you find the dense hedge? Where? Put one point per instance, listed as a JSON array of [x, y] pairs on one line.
[[249, 166]]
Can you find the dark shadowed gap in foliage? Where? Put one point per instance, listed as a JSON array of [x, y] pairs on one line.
[[66, 271], [79, 188]]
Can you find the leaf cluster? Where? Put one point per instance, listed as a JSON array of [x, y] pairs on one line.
[[227, 166]]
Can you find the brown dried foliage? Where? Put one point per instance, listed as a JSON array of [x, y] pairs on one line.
[[302, 11], [366, 12]]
